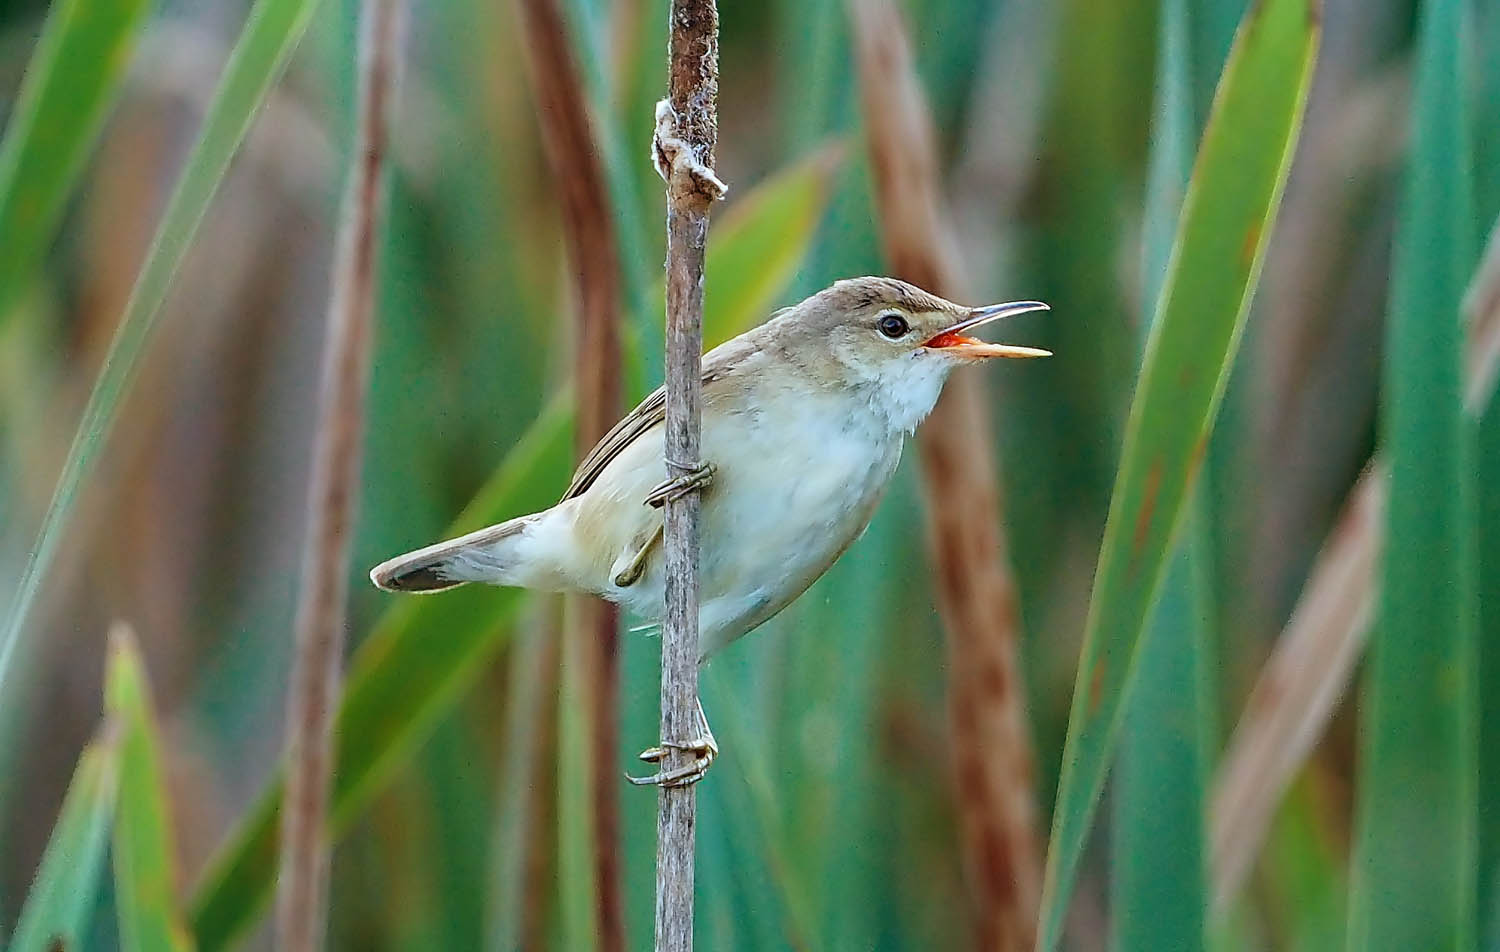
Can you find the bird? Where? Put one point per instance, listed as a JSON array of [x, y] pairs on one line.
[[803, 422]]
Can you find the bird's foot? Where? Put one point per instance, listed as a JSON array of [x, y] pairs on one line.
[[703, 747], [704, 750], [678, 486]]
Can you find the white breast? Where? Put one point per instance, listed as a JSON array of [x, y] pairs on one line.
[[787, 502], [787, 499]]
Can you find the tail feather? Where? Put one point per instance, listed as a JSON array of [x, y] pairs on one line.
[[483, 556]]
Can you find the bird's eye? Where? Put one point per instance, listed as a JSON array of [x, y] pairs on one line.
[[893, 326]]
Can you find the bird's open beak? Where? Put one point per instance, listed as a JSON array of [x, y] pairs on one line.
[[955, 342]]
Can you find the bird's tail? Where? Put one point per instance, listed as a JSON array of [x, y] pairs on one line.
[[497, 555]]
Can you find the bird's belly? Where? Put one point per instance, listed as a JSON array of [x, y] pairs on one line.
[[779, 517], [785, 502]]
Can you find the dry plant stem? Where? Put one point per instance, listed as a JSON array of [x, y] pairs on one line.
[[316, 674], [1482, 306], [1303, 680], [992, 754], [683, 150], [1298, 689], [593, 259]]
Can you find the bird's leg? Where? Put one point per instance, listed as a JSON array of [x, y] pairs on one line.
[[700, 477], [704, 746], [632, 573]]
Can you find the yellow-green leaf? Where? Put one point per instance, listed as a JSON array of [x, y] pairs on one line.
[[144, 851], [66, 887], [1221, 238]]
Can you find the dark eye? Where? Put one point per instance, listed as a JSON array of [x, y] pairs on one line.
[[893, 326]]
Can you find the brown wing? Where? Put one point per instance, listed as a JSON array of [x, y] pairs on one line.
[[651, 412]]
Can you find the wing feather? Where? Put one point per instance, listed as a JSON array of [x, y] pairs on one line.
[[650, 413]]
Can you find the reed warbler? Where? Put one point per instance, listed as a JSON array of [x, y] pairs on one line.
[[804, 418]]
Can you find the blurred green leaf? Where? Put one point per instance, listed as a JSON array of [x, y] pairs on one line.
[[818, 96], [426, 651], [269, 36], [1308, 875], [1487, 479], [754, 810], [762, 242], [1089, 149], [1174, 126], [1226, 218], [530, 706], [577, 833], [1160, 889], [1487, 100], [1157, 861], [144, 855], [1415, 853], [66, 886], [75, 76], [423, 653]]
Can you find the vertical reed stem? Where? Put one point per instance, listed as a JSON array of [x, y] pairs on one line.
[[572, 148], [302, 902], [686, 134]]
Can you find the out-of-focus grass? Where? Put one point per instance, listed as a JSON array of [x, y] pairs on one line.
[[1227, 213], [67, 884], [270, 35], [827, 822], [1415, 856], [145, 857], [1308, 874], [1487, 511], [1158, 868], [73, 79], [1489, 709]]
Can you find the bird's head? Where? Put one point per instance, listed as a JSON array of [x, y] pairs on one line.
[[896, 343]]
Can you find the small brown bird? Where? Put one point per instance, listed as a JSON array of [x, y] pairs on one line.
[[804, 418]]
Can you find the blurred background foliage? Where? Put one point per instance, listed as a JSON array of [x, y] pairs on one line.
[[829, 822]]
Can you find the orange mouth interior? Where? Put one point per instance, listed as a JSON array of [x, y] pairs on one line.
[[950, 339], [974, 347]]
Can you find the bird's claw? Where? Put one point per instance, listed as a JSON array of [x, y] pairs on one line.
[[703, 747], [705, 750], [679, 486]]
